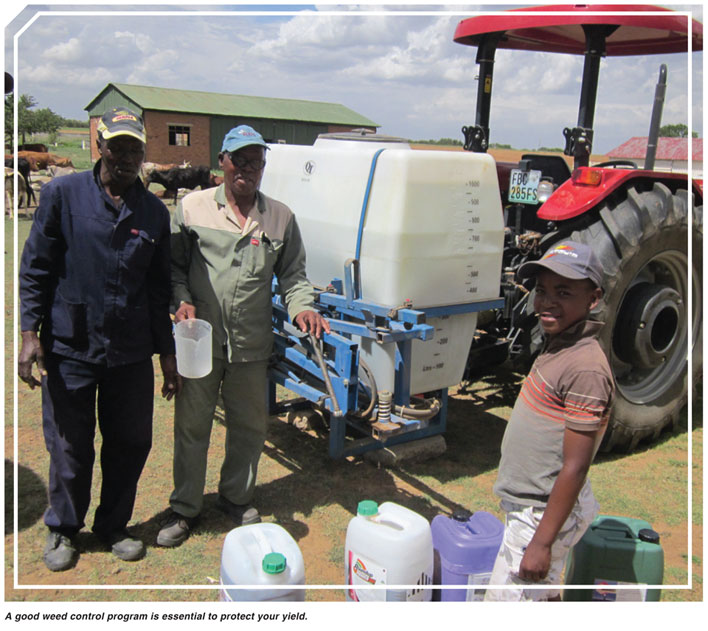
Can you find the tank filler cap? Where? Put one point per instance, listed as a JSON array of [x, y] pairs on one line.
[[648, 535], [462, 514], [274, 563], [366, 508]]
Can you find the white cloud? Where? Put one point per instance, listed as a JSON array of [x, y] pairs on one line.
[[66, 52], [404, 72]]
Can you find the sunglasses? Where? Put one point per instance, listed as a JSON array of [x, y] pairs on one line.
[[242, 162]]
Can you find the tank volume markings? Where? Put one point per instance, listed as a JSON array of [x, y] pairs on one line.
[[471, 281]]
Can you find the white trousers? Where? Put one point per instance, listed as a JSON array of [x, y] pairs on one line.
[[520, 527]]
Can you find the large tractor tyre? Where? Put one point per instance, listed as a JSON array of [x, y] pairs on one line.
[[642, 243]]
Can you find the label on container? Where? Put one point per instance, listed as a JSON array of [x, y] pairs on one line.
[[482, 578], [365, 572], [605, 593]]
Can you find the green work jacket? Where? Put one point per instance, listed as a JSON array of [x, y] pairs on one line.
[[226, 270]]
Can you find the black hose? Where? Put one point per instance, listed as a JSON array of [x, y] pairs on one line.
[[374, 390], [432, 407]]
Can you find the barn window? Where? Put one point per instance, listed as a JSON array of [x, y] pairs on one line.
[[179, 135]]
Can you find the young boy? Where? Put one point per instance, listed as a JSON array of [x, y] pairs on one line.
[[554, 430]]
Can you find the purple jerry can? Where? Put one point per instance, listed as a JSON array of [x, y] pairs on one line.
[[465, 547]]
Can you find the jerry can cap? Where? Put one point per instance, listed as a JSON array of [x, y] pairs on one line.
[[462, 514], [274, 563], [648, 535], [367, 507]]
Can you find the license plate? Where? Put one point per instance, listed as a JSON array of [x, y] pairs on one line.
[[523, 186]]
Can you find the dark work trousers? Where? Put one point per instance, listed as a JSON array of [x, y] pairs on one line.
[[72, 393]]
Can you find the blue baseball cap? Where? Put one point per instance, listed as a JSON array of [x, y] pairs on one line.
[[242, 136]]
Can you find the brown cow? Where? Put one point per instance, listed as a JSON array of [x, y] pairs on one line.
[[38, 160], [33, 147]]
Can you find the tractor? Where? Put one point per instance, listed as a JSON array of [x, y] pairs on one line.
[[416, 307], [644, 225]]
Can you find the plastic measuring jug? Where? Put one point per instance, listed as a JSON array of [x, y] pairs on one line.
[[193, 344]]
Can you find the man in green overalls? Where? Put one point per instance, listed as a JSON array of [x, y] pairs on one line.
[[227, 243]]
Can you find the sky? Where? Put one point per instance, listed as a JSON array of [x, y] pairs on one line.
[[400, 70]]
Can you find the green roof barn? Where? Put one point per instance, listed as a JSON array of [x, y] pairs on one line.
[[187, 125]]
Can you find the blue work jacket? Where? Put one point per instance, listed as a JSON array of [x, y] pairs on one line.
[[94, 278]]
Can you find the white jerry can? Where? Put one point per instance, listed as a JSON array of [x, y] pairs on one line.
[[388, 545], [265, 557]]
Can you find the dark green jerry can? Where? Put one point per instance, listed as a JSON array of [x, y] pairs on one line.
[[616, 551]]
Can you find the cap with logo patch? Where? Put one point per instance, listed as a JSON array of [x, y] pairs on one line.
[[242, 136], [120, 121], [569, 260]]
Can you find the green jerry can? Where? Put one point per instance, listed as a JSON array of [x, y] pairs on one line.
[[616, 551]]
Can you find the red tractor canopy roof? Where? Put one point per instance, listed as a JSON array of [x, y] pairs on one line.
[[642, 29]]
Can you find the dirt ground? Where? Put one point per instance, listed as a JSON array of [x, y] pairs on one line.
[[314, 497]]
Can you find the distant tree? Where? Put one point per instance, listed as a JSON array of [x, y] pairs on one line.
[[26, 124], [72, 122], [449, 142], [678, 130], [29, 122], [442, 141], [499, 145], [9, 125]]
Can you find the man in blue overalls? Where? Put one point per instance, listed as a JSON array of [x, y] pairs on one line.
[[94, 290]]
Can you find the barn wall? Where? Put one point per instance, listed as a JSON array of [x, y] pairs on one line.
[[158, 148], [110, 99], [93, 135]]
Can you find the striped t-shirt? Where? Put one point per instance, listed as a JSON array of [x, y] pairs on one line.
[[569, 385]]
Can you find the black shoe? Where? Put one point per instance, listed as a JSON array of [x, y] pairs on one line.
[[59, 552], [241, 514], [175, 530], [124, 545]]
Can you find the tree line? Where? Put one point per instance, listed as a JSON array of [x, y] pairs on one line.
[[33, 121], [678, 130]]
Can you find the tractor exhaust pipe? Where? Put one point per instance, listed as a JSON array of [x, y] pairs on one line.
[[655, 124]]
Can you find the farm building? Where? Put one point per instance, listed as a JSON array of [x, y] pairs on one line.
[[671, 154], [186, 125]]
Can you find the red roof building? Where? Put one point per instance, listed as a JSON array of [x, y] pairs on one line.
[[671, 153]]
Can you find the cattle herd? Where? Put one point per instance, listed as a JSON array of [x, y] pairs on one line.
[[36, 158]]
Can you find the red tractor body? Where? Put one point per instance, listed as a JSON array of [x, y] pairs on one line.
[[645, 225]]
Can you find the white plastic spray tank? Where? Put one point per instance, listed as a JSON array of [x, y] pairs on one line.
[[425, 225]]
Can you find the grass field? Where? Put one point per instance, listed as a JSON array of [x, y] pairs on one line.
[[314, 497]]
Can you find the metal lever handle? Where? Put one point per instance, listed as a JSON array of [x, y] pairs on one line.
[[325, 374]]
